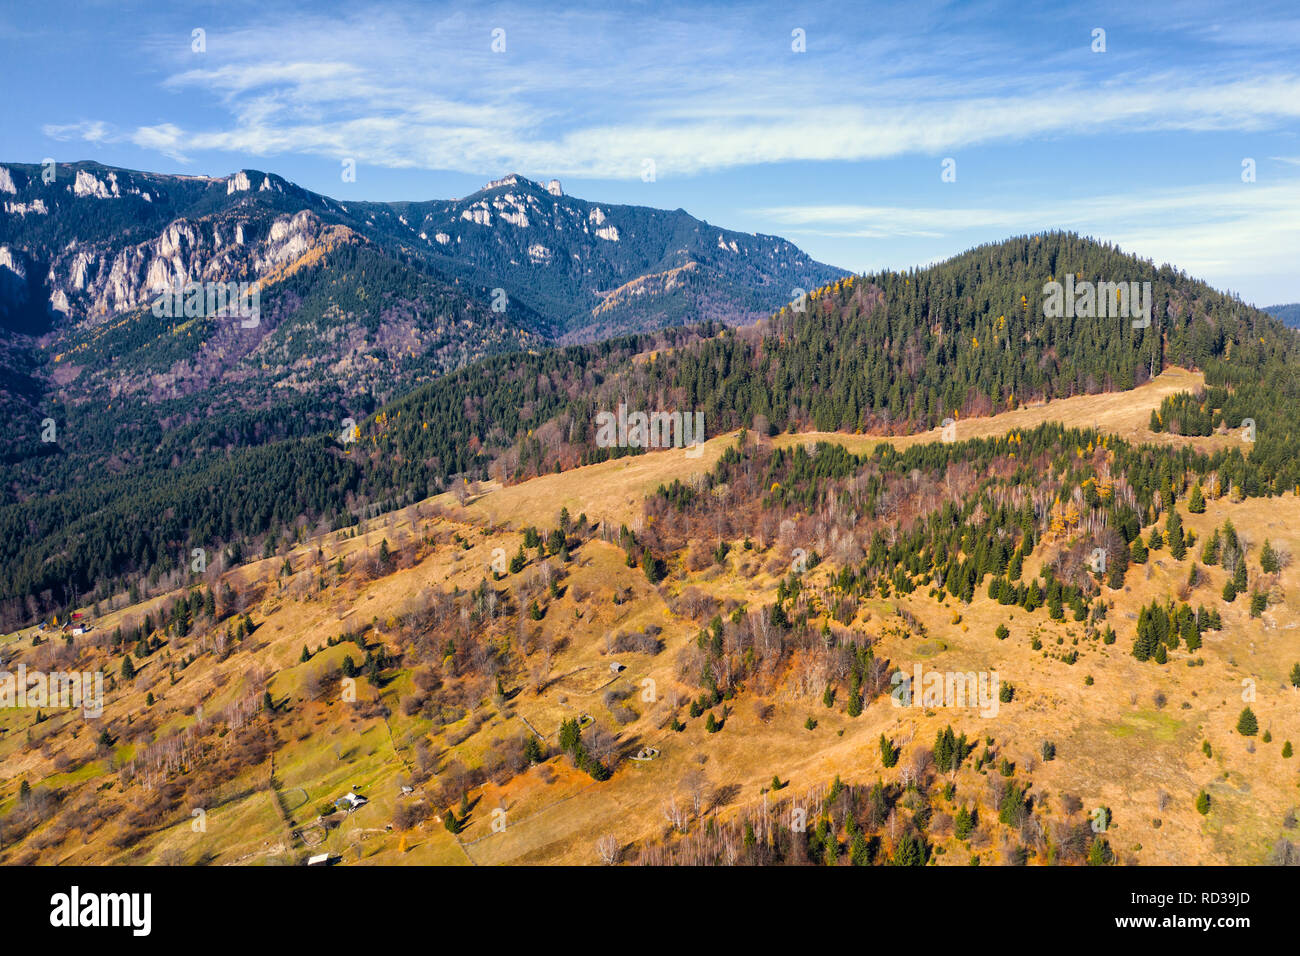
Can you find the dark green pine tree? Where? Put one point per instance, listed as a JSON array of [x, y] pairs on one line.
[[910, 851], [1210, 550], [963, 823], [1269, 562], [860, 850], [1016, 566], [1099, 853], [1247, 725], [1239, 574], [1174, 535], [855, 704], [888, 752]]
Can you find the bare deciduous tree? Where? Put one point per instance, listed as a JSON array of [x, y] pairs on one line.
[[608, 850]]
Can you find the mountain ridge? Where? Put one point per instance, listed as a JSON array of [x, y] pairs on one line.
[[890, 353], [556, 268]]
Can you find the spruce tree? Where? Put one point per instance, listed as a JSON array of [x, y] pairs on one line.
[[1268, 559], [1174, 534], [1239, 574], [888, 753], [963, 824], [1258, 602], [1247, 725], [1210, 550], [860, 850], [1099, 853]]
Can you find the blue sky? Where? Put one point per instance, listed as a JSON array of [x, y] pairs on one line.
[[840, 147]]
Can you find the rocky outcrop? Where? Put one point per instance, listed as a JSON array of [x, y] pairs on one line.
[[100, 281], [14, 287], [13, 262], [88, 184], [115, 237]]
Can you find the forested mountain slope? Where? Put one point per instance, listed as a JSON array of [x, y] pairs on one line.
[[891, 352]]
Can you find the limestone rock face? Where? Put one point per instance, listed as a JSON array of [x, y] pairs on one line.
[[13, 262], [13, 277], [103, 241], [101, 281], [87, 184]]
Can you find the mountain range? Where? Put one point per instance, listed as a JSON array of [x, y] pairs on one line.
[[389, 477], [1289, 313], [358, 301], [432, 331], [95, 241]]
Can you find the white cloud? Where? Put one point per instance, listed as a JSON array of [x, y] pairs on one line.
[[88, 131], [593, 93], [1229, 235], [165, 138]]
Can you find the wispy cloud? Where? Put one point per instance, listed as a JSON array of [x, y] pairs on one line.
[[87, 131], [1244, 229], [1049, 134], [698, 92]]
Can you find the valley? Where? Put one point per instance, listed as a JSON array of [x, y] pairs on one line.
[[192, 740]]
